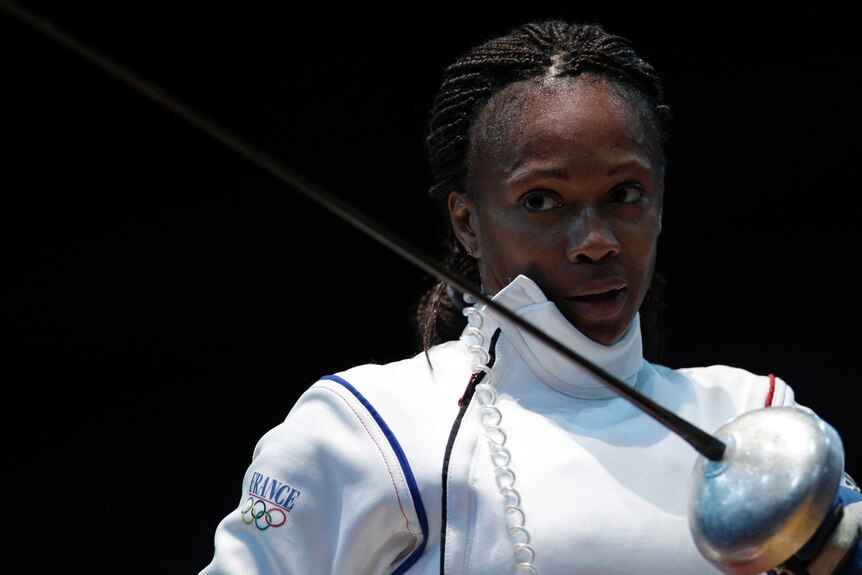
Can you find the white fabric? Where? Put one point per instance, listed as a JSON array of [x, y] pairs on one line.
[[604, 486]]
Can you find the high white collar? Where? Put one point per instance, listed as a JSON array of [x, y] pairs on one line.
[[622, 360]]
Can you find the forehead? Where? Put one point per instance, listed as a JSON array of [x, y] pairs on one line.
[[537, 114], [522, 104]]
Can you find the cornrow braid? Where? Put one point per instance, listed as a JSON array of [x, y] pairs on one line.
[[531, 51]]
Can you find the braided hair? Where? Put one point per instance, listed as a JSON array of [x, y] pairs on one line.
[[530, 51]]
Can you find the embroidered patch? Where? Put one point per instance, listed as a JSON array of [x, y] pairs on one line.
[[269, 502]]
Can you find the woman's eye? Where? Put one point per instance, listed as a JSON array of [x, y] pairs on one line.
[[539, 202], [628, 194]]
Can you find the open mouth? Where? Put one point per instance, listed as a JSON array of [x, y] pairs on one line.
[[599, 305], [598, 297]]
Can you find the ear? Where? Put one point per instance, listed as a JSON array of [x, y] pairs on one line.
[[660, 206], [461, 214]]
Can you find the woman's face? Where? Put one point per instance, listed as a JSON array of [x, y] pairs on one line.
[[565, 187]]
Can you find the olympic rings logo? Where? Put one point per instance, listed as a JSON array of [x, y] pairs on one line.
[[255, 511]]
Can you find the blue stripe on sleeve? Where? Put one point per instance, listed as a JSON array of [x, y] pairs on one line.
[[405, 467]]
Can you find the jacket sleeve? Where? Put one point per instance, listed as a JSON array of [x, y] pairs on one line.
[[324, 493], [839, 550], [847, 536]]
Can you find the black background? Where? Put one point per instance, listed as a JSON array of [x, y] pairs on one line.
[[165, 300]]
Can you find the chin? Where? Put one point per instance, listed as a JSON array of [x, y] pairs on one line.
[[605, 334], [604, 338]]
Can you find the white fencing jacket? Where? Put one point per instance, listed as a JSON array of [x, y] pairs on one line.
[[379, 469]]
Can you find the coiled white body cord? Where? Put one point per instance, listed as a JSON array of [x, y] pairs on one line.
[[492, 418]]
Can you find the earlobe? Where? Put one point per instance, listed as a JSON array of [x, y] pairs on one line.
[[460, 213]]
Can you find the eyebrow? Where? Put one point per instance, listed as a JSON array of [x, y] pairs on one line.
[[562, 174], [556, 173], [626, 166]]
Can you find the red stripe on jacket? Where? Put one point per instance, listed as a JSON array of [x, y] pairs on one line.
[[771, 393]]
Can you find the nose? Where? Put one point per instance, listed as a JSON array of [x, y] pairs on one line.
[[591, 238]]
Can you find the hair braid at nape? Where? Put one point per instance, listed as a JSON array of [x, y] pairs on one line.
[[532, 51]]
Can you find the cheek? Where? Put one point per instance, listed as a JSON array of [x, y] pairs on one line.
[[640, 236], [641, 258], [510, 249], [638, 242]]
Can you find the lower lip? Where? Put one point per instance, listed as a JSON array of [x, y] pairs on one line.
[[601, 306]]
